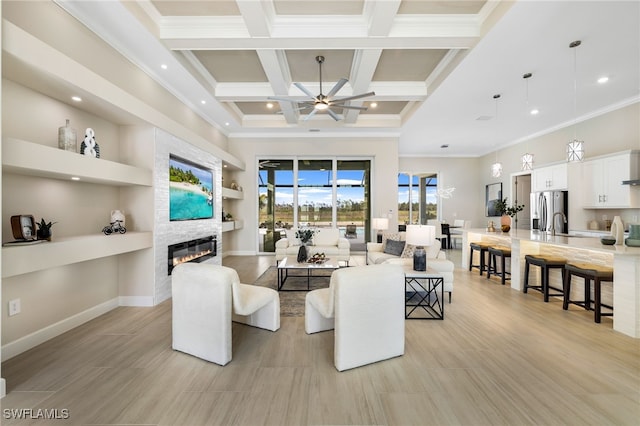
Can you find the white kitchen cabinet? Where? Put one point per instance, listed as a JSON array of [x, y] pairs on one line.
[[549, 178], [603, 178]]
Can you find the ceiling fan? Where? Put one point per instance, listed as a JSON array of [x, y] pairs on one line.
[[323, 102], [269, 164]]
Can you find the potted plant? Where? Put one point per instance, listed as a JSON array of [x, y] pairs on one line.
[[507, 212], [44, 229]]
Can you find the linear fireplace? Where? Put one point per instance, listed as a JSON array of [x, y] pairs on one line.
[[192, 251]]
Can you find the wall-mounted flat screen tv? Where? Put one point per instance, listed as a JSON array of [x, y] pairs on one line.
[[190, 190]]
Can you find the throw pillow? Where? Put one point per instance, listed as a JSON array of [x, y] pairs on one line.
[[394, 247], [408, 251], [291, 236], [392, 236]]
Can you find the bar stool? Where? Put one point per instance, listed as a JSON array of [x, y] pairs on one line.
[[589, 272], [502, 252], [545, 263], [481, 247]]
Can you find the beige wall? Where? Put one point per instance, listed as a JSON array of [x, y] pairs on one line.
[[467, 202], [383, 151]]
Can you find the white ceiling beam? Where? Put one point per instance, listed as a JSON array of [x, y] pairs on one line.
[[274, 63], [346, 32], [362, 70], [257, 16], [380, 15]]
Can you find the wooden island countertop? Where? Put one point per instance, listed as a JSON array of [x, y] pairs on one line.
[[624, 260]]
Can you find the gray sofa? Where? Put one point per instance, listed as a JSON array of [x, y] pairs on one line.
[[436, 258]]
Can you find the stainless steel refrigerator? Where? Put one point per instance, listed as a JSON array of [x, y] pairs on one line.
[[544, 206]]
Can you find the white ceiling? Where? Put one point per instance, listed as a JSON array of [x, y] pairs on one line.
[[434, 65]]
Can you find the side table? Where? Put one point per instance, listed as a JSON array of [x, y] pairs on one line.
[[424, 294]]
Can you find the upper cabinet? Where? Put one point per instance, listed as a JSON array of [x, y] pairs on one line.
[[549, 178], [603, 178]]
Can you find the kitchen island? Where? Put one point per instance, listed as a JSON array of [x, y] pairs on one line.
[[625, 261]]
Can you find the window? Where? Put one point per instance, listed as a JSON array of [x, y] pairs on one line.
[[417, 198]]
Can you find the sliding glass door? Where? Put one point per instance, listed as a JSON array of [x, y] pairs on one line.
[[319, 193], [417, 198]]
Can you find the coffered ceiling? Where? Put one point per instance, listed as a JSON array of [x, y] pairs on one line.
[[433, 65]]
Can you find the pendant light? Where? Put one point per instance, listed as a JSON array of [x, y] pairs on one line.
[[527, 158], [575, 148], [496, 168]]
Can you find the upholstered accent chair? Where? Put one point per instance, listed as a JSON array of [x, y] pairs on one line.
[[365, 305], [206, 299]]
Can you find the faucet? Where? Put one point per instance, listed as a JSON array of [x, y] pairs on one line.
[[553, 221]]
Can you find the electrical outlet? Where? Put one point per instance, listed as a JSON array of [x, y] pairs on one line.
[[14, 307]]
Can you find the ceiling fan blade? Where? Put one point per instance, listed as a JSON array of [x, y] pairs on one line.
[[351, 98], [348, 107], [333, 115], [305, 90], [337, 87], [282, 99], [311, 114]]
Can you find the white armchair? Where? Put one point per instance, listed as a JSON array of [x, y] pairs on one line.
[[205, 300], [366, 306]]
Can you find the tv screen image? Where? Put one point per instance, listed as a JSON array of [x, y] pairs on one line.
[[190, 190]]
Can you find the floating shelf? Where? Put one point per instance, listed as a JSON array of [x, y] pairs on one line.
[[228, 226], [62, 251], [232, 194], [34, 159]]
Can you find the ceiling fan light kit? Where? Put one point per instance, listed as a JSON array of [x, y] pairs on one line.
[[322, 102]]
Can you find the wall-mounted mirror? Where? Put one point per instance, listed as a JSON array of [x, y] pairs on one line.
[[493, 195]]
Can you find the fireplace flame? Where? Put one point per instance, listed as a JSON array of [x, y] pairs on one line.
[[191, 257]]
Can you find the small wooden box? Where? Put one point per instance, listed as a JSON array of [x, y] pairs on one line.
[[23, 227]]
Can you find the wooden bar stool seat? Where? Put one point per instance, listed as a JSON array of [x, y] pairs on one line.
[[482, 248], [503, 253], [545, 263], [590, 272]]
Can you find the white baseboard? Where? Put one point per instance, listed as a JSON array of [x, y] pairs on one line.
[[29, 341], [135, 301], [3, 388]]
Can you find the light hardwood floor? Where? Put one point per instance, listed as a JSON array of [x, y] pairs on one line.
[[499, 357]]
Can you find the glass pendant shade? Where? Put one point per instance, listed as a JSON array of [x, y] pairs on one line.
[[496, 169], [527, 161], [575, 151]]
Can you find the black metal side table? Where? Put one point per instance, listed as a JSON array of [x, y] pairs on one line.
[[424, 294]]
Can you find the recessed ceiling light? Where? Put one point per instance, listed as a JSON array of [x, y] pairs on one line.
[[269, 105], [534, 111], [75, 178], [373, 104], [603, 79], [76, 98], [227, 123], [203, 102], [164, 66], [224, 165]]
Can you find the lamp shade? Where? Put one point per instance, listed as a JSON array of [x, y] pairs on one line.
[[380, 223], [421, 235]]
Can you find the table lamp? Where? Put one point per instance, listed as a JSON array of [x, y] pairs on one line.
[[420, 236], [380, 224]]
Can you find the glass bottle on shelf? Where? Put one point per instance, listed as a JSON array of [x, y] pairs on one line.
[[67, 138]]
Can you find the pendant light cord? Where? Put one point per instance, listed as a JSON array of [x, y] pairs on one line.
[[573, 45]]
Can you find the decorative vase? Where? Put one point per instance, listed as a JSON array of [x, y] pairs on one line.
[[505, 228], [505, 220], [617, 230], [302, 254], [67, 138], [634, 236]]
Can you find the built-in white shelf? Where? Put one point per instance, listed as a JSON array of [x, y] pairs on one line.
[[34, 159], [231, 225], [232, 194], [17, 260]]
